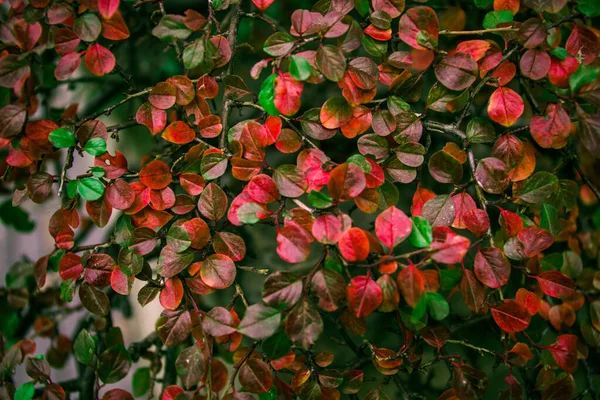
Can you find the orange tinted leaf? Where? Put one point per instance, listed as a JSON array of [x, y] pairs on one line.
[[505, 106], [155, 175], [364, 296], [511, 316]]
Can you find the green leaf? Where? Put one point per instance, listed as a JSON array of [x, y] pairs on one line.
[[480, 130], [177, 239], [94, 300], [319, 200], [114, 364], [437, 305], [141, 381], [171, 27], [247, 213], [95, 147], [374, 47], [560, 53], [194, 54], [15, 217], [279, 44], [270, 395], [421, 235], [67, 290], [98, 172], [584, 75], [484, 3], [591, 8], [84, 347], [300, 68], [61, 138], [277, 345], [266, 97], [449, 278], [362, 7], [71, 189], [549, 219], [572, 265], [493, 18], [420, 310], [25, 392], [361, 162], [537, 188], [90, 188]]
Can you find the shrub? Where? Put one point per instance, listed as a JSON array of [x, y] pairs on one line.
[[425, 174]]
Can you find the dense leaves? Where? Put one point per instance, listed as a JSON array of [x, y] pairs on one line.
[[295, 194]]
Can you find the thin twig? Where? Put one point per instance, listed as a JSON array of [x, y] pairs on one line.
[[479, 31], [63, 174], [236, 369]]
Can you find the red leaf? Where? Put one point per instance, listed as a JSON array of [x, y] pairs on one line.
[[511, 316], [534, 240], [561, 71], [262, 5], [163, 95], [172, 294], [179, 132], [457, 71], [99, 60], [463, 203], [447, 246], [491, 267], [556, 284], [411, 283], [552, 130], [583, 41], [218, 271], [155, 175], [564, 352], [535, 64], [477, 221], [354, 245], [153, 118], [509, 5], [419, 28], [70, 266], [327, 229], [115, 28], [392, 226], [120, 282], [287, 94], [529, 300], [293, 244], [505, 106], [107, 8], [262, 189], [346, 181], [67, 65], [364, 296], [511, 222], [472, 291]]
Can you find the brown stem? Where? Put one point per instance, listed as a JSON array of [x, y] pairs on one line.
[[479, 31], [236, 369]]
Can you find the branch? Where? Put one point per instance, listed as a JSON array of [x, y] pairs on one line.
[[479, 32], [94, 247], [479, 349], [236, 369], [63, 174], [445, 128], [232, 39], [586, 180]]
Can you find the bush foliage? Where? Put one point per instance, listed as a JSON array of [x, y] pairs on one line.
[[332, 199]]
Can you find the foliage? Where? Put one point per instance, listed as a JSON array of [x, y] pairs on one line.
[[427, 181]]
